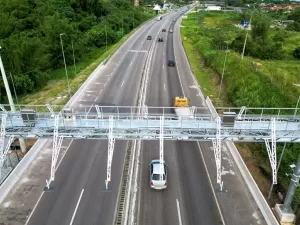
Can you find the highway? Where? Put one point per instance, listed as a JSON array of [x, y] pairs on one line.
[[188, 198], [78, 195]]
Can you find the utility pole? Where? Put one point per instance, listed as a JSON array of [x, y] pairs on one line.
[[133, 21], [105, 37], [285, 212], [62, 48], [242, 56], [292, 188], [296, 109], [74, 59], [10, 100], [223, 71], [122, 26], [8, 93]]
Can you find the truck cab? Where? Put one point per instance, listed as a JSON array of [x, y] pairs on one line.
[[181, 101]]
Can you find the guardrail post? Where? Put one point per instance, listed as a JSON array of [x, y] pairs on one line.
[[285, 212]]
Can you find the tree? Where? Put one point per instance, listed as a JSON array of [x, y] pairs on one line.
[[296, 53], [260, 27]]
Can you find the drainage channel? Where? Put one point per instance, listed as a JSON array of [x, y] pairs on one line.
[[123, 187]]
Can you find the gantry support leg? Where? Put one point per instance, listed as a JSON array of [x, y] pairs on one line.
[[4, 152], [2, 132], [50, 110], [272, 150], [57, 141], [99, 113], [145, 111], [239, 116], [161, 146], [217, 152], [111, 145]]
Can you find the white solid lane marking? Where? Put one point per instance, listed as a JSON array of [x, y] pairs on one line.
[[34, 208], [212, 188], [76, 206], [122, 83], [43, 191], [178, 211]]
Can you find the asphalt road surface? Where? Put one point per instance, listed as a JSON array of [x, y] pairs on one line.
[[189, 198], [78, 195]]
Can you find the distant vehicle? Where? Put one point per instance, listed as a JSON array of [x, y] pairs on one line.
[[158, 18], [149, 37], [182, 107], [164, 30], [160, 39], [171, 31], [158, 175], [171, 62]]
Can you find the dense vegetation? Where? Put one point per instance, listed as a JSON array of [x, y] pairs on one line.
[[30, 34], [258, 80]]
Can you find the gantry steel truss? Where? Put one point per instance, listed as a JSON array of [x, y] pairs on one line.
[[151, 123]]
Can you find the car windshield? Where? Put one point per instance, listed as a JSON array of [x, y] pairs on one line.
[[157, 177]]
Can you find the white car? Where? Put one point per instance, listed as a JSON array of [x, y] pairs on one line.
[[158, 176]]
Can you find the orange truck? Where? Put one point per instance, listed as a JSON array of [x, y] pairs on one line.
[[182, 107]]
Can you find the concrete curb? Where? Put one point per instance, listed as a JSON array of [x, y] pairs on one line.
[[256, 193], [15, 175]]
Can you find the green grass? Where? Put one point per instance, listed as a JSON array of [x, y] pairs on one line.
[[203, 74]]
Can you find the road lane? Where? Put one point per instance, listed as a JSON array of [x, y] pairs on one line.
[[84, 166], [188, 182]]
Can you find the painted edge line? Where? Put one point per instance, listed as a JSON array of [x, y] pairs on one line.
[[28, 218], [31, 213], [178, 211], [212, 188], [73, 217]]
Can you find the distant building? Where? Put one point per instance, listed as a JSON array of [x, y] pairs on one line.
[[213, 8]]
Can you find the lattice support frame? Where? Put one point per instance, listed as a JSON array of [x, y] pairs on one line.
[[217, 152], [272, 150], [50, 110], [193, 110], [111, 145], [239, 116], [2, 133], [2, 108], [4, 152], [161, 146], [57, 141], [99, 113], [145, 111]]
